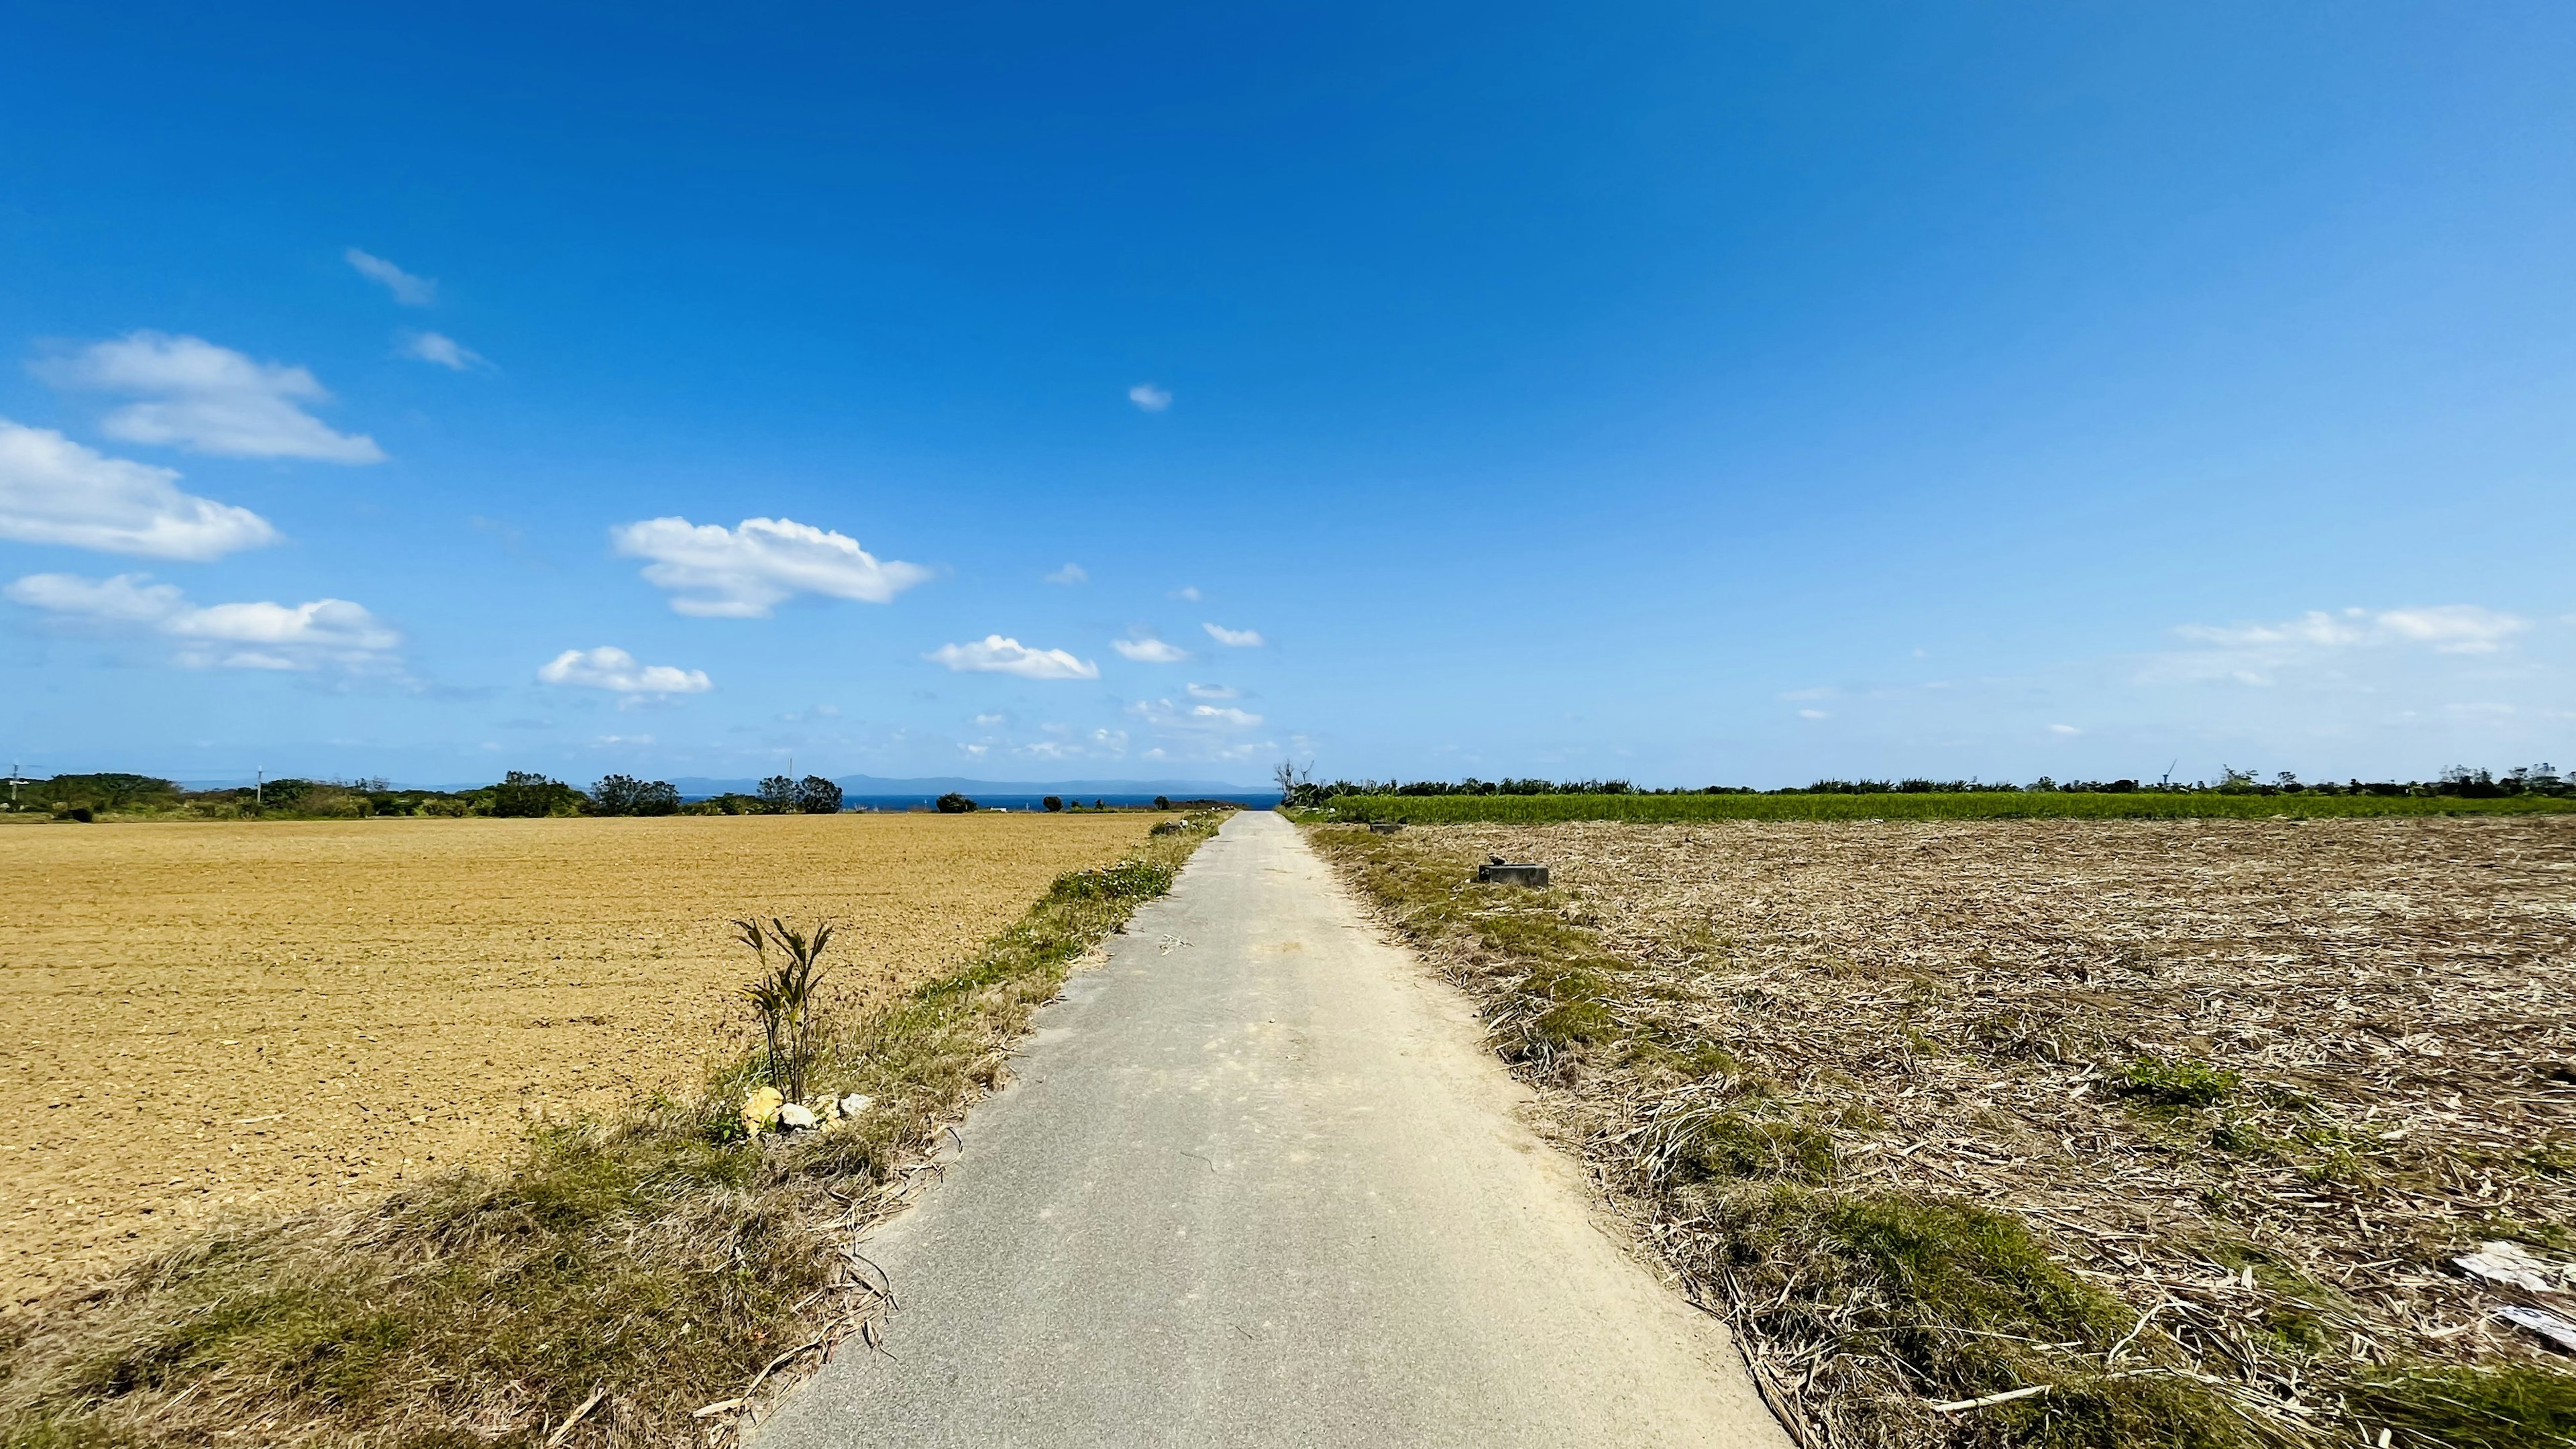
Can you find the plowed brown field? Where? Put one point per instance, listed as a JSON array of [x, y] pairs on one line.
[[205, 1018]]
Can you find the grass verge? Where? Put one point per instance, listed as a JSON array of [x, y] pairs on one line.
[[629, 1273]]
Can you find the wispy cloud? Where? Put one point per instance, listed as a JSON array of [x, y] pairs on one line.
[[1165, 715], [1070, 574], [994, 654], [1234, 638], [1187, 591], [2346, 643], [611, 668], [1148, 397], [1149, 650], [1213, 691], [742, 573], [208, 399], [442, 349], [409, 290], [53, 490], [2451, 628], [231, 636], [2064, 729]]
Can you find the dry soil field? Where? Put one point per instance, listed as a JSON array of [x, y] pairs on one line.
[[2260, 1081], [206, 1017]]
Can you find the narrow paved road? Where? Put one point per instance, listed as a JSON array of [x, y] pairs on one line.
[[1257, 1183]]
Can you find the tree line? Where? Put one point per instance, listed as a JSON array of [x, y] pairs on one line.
[[520, 794], [1298, 787]]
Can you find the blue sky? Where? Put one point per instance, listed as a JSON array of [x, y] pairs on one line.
[[1690, 393]]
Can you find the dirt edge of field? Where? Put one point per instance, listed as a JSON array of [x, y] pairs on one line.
[[1995, 1329], [639, 1281]]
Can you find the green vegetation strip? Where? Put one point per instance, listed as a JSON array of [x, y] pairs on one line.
[[1904, 805], [1935, 1320], [644, 1268]]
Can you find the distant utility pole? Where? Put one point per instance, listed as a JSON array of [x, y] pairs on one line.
[[13, 787], [259, 788]]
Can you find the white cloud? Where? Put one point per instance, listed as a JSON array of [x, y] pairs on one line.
[[2451, 628], [1150, 398], [1234, 638], [1149, 651], [442, 349], [1187, 591], [1212, 691], [53, 490], [2064, 729], [1813, 714], [742, 573], [1070, 574], [997, 655], [611, 668], [231, 636], [1162, 714], [409, 290], [209, 399], [990, 720]]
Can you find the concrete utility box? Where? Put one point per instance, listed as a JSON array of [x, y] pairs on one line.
[[1505, 873], [1385, 827]]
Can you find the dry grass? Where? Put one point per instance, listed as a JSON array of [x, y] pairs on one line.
[[216, 1018], [2183, 1119], [647, 1280]]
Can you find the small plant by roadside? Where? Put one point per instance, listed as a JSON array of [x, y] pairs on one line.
[[784, 996]]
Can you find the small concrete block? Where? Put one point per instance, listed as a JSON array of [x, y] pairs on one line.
[[1504, 873]]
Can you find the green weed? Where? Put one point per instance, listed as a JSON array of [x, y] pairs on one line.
[[2513, 1407], [2176, 1082]]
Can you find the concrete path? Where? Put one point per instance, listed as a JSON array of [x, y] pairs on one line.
[[1257, 1183]]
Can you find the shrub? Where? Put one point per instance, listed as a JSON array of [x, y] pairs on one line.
[[523, 795], [626, 795], [1162, 802], [615, 794], [953, 803], [818, 796], [1053, 802]]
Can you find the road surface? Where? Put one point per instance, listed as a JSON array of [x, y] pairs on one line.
[[1256, 1182]]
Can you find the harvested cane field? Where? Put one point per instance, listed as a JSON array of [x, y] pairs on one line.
[[2062, 1132], [211, 1018]]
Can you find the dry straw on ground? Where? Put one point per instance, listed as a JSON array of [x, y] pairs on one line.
[[214, 1018], [2249, 1085]]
